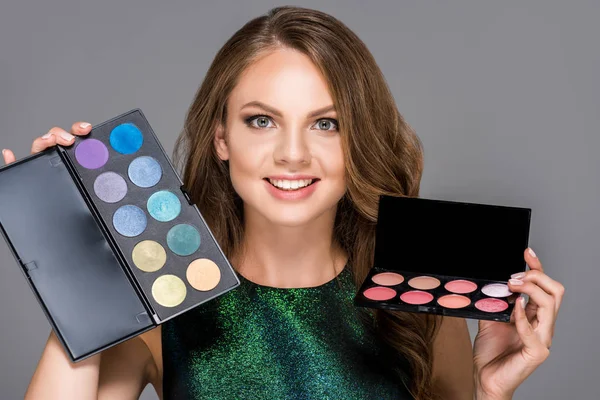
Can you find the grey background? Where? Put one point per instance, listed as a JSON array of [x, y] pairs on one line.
[[504, 95]]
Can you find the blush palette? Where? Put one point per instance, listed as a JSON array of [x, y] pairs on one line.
[[446, 258], [107, 236]]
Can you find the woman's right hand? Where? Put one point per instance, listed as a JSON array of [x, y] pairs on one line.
[[53, 137]]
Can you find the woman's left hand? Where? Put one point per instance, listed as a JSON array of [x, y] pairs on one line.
[[505, 354]]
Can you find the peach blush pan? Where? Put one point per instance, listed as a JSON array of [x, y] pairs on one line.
[[454, 301], [388, 279]]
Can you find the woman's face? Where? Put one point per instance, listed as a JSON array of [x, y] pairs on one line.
[[282, 141]]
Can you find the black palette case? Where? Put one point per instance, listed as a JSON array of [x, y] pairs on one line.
[[78, 266]]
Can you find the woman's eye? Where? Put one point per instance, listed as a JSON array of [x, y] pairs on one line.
[[258, 121], [326, 124]]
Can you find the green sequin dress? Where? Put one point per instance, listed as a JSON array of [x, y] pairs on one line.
[[260, 342]]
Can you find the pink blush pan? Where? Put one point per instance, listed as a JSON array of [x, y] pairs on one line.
[[379, 293], [460, 286], [416, 297], [491, 305]]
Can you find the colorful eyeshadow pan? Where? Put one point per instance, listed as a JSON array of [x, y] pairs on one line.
[[491, 305], [203, 274], [144, 171], [183, 239], [460, 286], [91, 154], [164, 206], [388, 279], [126, 138], [129, 220], [149, 256], [454, 301], [169, 290], [416, 297], [379, 293], [110, 187], [496, 290], [424, 282]]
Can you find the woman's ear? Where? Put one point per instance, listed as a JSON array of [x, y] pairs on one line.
[[221, 143]]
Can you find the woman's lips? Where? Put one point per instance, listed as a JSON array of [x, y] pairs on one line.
[[295, 194]]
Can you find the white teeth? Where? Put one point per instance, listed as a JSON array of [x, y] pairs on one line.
[[290, 185]]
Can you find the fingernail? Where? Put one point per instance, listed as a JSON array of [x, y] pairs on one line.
[[3, 150], [67, 136], [515, 282], [522, 302], [47, 135], [531, 252], [84, 125], [518, 275]]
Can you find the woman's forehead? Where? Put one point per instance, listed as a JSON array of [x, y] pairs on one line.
[[287, 80]]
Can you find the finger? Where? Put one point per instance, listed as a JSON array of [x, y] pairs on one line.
[[81, 128], [532, 260], [534, 348], [545, 314], [549, 285], [8, 156], [54, 136], [42, 143]]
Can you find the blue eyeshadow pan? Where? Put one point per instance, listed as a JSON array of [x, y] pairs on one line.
[[130, 220], [126, 138], [183, 239], [144, 172], [164, 206]]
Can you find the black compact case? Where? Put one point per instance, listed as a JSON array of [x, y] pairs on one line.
[[445, 257], [81, 268]]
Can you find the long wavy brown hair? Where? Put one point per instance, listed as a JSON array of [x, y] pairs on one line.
[[382, 155]]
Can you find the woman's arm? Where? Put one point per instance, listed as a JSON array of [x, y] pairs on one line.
[[118, 373], [453, 360]]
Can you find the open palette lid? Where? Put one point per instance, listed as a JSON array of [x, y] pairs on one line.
[[89, 301], [451, 238]]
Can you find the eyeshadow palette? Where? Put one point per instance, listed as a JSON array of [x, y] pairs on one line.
[[447, 258], [107, 236]]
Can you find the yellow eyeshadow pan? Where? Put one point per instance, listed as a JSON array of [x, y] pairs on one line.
[[149, 256], [169, 290]]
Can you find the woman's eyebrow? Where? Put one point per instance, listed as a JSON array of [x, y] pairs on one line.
[[277, 113]]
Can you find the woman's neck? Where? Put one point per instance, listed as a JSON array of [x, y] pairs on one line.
[[290, 257]]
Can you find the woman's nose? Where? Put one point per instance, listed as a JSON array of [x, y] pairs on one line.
[[292, 148]]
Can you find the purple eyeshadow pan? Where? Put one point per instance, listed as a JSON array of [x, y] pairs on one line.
[[91, 153], [110, 187]]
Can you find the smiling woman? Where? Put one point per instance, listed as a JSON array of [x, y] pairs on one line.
[[289, 143]]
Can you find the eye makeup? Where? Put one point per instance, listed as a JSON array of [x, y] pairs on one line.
[[445, 257], [107, 237]]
